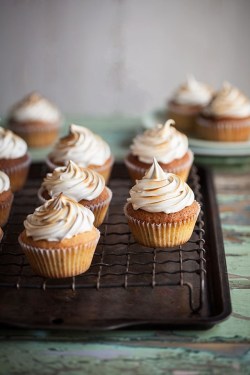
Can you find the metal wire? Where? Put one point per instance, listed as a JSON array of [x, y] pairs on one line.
[[119, 262]]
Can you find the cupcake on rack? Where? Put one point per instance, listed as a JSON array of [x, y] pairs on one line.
[[59, 238], [6, 198], [227, 117], [36, 120], [161, 210], [14, 158], [86, 149], [167, 145], [187, 102], [84, 185]]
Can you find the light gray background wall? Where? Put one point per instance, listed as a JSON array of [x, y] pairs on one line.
[[119, 56]]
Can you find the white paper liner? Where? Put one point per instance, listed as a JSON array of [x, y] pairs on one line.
[[161, 235], [31, 128], [60, 263], [5, 208], [141, 170], [222, 124], [17, 169], [223, 130]]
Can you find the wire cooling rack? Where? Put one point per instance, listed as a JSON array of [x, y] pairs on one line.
[[120, 267]]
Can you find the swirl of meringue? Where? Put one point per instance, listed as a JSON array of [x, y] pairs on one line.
[[4, 182], [11, 145], [74, 182], [160, 192], [82, 146], [163, 142], [193, 92], [59, 218], [229, 101]]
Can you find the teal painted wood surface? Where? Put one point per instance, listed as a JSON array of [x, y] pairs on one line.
[[222, 349]]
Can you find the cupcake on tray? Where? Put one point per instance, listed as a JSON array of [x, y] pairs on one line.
[[6, 198], [161, 210], [14, 158], [59, 238], [36, 120], [226, 118], [85, 186], [187, 102], [86, 149], [167, 145]]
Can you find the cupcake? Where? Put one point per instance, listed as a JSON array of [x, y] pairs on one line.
[[85, 186], [226, 118], [59, 238], [167, 145], [161, 210], [1, 234], [36, 120], [85, 148], [187, 102], [6, 198], [14, 159]]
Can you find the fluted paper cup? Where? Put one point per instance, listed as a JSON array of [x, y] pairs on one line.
[[223, 130], [60, 262], [5, 208], [137, 173], [17, 173], [161, 235]]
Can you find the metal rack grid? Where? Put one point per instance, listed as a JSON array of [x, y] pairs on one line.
[[119, 262]]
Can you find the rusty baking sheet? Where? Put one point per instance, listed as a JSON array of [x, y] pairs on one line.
[[127, 285]]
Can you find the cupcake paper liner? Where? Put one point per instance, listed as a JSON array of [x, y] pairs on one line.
[[137, 173], [224, 131], [18, 174], [5, 208], [99, 210], [60, 263], [161, 235]]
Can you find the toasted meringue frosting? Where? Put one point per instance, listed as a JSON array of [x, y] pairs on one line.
[[193, 92], [74, 182], [35, 107], [160, 192], [229, 101], [11, 145], [58, 218], [163, 142], [4, 182], [81, 146]]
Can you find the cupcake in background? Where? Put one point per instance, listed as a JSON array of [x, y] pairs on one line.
[[36, 120], [167, 145], [6, 198], [161, 210], [86, 149], [59, 238], [226, 118], [187, 102], [85, 186], [14, 158]]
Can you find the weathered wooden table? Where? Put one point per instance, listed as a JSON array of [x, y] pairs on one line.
[[224, 349]]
